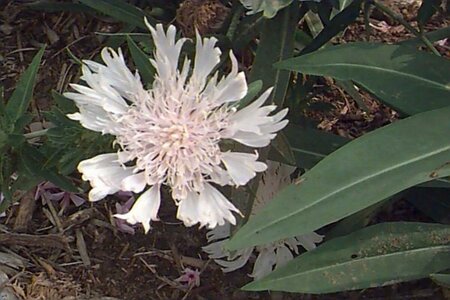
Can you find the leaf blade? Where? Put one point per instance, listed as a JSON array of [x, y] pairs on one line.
[[121, 11], [21, 97], [382, 69], [418, 150], [374, 256]]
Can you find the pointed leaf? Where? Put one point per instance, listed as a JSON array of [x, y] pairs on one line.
[[120, 10], [18, 103], [276, 43], [374, 256], [427, 10], [142, 61], [404, 78], [34, 163], [346, 17], [357, 175], [310, 146]]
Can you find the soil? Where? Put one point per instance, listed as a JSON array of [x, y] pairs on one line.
[[90, 258]]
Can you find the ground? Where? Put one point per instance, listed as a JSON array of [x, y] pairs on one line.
[[79, 254]]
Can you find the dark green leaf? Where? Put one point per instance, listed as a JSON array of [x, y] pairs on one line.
[[311, 145], [427, 10], [142, 62], [357, 175], [433, 36], [253, 90], [375, 256], [65, 104], [406, 79], [18, 103], [276, 43], [121, 11], [335, 26], [53, 6], [433, 202], [281, 150], [443, 279], [34, 163]]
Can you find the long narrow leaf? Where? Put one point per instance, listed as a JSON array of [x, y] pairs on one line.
[[276, 44], [20, 99], [142, 61], [375, 256], [359, 174], [404, 78], [120, 10]]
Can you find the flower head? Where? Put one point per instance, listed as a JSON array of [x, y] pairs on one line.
[[173, 133], [271, 255]]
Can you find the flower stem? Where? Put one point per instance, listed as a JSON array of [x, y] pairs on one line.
[[408, 26]]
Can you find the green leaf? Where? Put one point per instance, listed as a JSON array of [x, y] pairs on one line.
[[427, 10], [281, 150], [142, 61], [443, 279], [121, 11], [268, 7], [65, 104], [335, 26], [406, 79], [253, 90], [357, 175], [3, 140], [34, 163], [375, 256], [310, 146], [432, 36], [18, 103], [433, 202], [276, 43], [53, 6]]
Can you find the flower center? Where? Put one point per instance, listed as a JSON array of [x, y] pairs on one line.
[[176, 137], [174, 142]]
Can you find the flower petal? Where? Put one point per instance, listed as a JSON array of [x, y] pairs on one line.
[[144, 209], [283, 255], [209, 208], [264, 263], [105, 174], [309, 241], [231, 88], [134, 183], [242, 166], [167, 52], [252, 125], [207, 56], [219, 232]]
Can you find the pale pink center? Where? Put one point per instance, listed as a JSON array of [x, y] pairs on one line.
[[175, 142]]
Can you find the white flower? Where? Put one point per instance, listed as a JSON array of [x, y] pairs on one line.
[[272, 255], [172, 133]]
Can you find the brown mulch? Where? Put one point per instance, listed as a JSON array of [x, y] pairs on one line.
[[80, 254]]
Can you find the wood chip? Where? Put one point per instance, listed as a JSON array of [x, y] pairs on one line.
[[81, 245], [26, 209]]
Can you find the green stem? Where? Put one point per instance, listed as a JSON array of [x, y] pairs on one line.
[[408, 26], [35, 134], [234, 22]]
